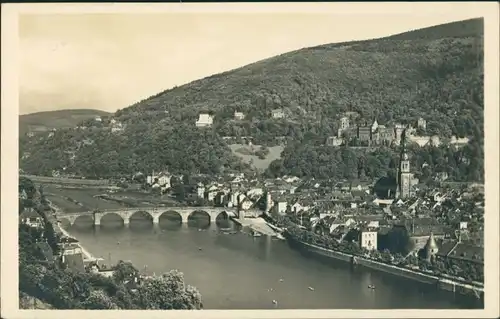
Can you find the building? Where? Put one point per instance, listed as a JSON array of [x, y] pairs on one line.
[[368, 238], [334, 141], [239, 116], [421, 124], [431, 247], [405, 179], [344, 123], [365, 133], [278, 114], [164, 179], [200, 190], [374, 126], [204, 120], [398, 132], [98, 119], [31, 218]]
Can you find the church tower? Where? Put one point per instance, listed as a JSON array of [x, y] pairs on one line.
[[404, 176]]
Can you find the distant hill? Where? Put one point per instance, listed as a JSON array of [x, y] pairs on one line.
[[435, 73], [44, 121]]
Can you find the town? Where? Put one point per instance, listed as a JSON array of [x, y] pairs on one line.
[[436, 230]]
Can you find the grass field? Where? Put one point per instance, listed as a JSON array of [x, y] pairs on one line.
[[259, 164], [68, 199]]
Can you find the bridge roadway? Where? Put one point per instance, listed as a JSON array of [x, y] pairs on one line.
[[156, 212]]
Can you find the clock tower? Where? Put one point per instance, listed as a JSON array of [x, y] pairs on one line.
[[404, 176]]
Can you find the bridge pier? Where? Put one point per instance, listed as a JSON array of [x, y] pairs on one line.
[[156, 219], [126, 220], [184, 218], [97, 219]]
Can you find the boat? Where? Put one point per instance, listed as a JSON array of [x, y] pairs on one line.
[[371, 286], [311, 288], [256, 234]]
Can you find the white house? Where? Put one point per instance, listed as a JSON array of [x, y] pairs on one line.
[[278, 114], [239, 115], [31, 218], [205, 120], [280, 206], [200, 190], [98, 119], [246, 204], [368, 239], [164, 180]]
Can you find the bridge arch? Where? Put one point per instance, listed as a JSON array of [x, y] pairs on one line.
[[111, 217], [140, 215], [199, 215], [223, 215], [85, 219], [170, 215]]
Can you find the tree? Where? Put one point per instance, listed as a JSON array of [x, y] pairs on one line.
[[169, 292], [124, 271], [98, 299]]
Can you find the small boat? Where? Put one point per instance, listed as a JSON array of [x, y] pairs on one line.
[[310, 288], [281, 280], [371, 286], [257, 234], [199, 248], [275, 302]]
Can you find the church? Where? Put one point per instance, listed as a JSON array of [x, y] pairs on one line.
[[404, 177]]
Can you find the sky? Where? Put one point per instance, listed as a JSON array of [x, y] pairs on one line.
[[110, 61]]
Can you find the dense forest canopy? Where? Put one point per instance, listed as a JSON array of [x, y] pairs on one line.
[[434, 73]]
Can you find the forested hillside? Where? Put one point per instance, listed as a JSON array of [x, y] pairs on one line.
[[434, 73], [44, 121]]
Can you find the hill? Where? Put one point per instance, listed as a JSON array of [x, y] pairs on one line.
[[45, 121], [435, 73]]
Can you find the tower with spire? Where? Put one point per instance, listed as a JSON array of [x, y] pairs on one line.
[[431, 247], [404, 176]]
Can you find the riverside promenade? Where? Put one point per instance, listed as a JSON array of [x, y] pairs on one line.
[[257, 224]]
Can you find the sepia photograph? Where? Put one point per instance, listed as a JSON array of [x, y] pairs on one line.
[[290, 160]]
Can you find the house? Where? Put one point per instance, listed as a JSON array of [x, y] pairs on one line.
[[31, 218], [246, 203], [278, 114], [98, 119], [30, 134], [204, 120], [421, 124], [368, 238], [342, 222], [200, 190], [239, 116], [117, 127], [459, 142], [344, 123], [334, 141], [280, 205], [164, 179]]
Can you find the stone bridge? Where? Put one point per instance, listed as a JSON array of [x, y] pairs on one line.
[[154, 213]]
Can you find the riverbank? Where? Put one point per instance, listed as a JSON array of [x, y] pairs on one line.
[[257, 224], [87, 256], [439, 282]]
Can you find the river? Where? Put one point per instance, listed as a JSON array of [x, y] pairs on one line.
[[238, 271]]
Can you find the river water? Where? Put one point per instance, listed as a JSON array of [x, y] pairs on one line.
[[238, 271]]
